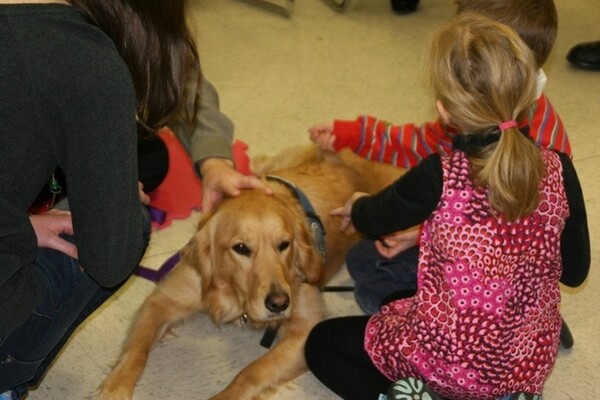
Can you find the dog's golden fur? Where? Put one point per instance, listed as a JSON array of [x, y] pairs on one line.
[[254, 256]]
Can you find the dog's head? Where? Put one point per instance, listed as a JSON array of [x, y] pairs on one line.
[[252, 252]]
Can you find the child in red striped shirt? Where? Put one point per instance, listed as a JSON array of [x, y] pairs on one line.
[[405, 145], [394, 257]]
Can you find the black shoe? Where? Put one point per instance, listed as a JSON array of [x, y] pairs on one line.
[[404, 6], [18, 393], [586, 56], [411, 388], [522, 396], [566, 338]]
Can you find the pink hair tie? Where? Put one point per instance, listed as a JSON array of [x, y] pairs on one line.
[[507, 124]]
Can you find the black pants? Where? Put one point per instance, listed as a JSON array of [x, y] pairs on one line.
[[335, 354], [70, 296]]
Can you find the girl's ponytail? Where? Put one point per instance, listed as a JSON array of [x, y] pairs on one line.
[[512, 173], [484, 76]]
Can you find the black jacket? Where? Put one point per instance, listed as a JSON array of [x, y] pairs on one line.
[[67, 100]]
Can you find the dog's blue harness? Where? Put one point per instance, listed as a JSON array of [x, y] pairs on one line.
[[314, 222]]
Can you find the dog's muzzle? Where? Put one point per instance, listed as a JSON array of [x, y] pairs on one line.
[[277, 302]]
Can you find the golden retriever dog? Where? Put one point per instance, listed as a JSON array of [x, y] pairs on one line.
[[254, 260]]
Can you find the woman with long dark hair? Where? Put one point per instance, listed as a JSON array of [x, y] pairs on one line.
[[81, 81]]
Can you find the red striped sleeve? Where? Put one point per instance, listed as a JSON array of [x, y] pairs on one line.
[[406, 145], [546, 128], [401, 145]]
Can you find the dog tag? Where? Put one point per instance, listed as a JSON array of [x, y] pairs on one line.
[[269, 337], [319, 236]]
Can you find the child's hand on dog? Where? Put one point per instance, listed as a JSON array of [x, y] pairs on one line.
[[346, 213]]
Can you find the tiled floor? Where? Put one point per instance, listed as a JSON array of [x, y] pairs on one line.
[[276, 77]]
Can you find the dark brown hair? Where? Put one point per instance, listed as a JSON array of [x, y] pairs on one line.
[[536, 21], [153, 38]]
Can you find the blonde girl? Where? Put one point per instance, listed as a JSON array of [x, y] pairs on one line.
[[503, 222]]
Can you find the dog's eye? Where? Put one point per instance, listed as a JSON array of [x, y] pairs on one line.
[[283, 245], [241, 249]]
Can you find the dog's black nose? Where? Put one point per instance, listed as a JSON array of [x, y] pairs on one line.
[[277, 302]]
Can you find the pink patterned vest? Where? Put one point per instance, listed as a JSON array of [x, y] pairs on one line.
[[485, 320]]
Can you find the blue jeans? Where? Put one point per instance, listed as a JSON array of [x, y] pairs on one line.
[[70, 297], [378, 280]]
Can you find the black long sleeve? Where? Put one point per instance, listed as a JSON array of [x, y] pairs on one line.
[[67, 101], [575, 238], [405, 203]]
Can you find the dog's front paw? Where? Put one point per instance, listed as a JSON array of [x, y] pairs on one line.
[[230, 393], [221, 396], [111, 389], [226, 395]]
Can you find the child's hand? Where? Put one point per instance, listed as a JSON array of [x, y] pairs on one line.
[[346, 212], [397, 242], [322, 135]]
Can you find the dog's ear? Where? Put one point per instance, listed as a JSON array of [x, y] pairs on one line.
[[218, 297], [196, 253], [308, 263]]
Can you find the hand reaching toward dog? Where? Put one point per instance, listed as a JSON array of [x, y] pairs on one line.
[[346, 212], [219, 178], [49, 226], [389, 245], [322, 135]]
